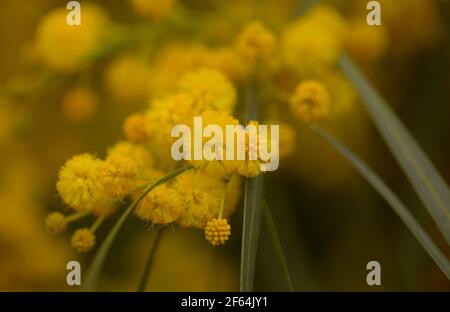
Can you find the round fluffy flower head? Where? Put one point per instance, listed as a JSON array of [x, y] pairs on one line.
[[230, 62], [140, 154], [208, 89], [128, 79], [312, 43], [83, 240], [79, 183], [172, 61], [255, 41], [201, 193], [154, 9], [327, 16], [135, 128], [56, 223], [310, 102], [120, 175], [63, 47], [217, 231], [252, 163], [162, 115], [162, 205], [79, 104], [217, 118]]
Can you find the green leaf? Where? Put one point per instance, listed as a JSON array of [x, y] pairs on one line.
[[250, 231], [277, 246], [253, 200], [100, 257], [426, 180], [151, 255], [389, 196]]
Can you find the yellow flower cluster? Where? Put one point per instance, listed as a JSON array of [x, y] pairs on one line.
[[175, 59], [199, 90], [162, 205], [64, 47], [217, 231], [128, 79], [90, 185], [119, 175], [313, 42], [255, 41], [79, 184], [187, 80], [56, 223], [310, 102], [208, 89], [190, 200], [83, 240], [135, 128]]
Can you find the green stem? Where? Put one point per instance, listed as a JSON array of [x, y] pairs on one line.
[[150, 257], [76, 216], [391, 198], [97, 223], [100, 257], [277, 246], [222, 203]]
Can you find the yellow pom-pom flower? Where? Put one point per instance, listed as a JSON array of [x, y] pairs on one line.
[[208, 89], [119, 175], [83, 240], [255, 41], [313, 43], [56, 223], [217, 231], [79, 183], [221, 119], [140, 154], [228, 61], [202, 194], [162, 205], [310, 102], [154, 9], [135, 128], [63, 47], [250, 167], [128, 79], [79, 104]]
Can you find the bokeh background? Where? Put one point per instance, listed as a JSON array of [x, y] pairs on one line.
[[331, 223]]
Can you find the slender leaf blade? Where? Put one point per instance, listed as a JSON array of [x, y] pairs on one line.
[[277, 246], [250, 231], [389, 196], [426, 180]]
